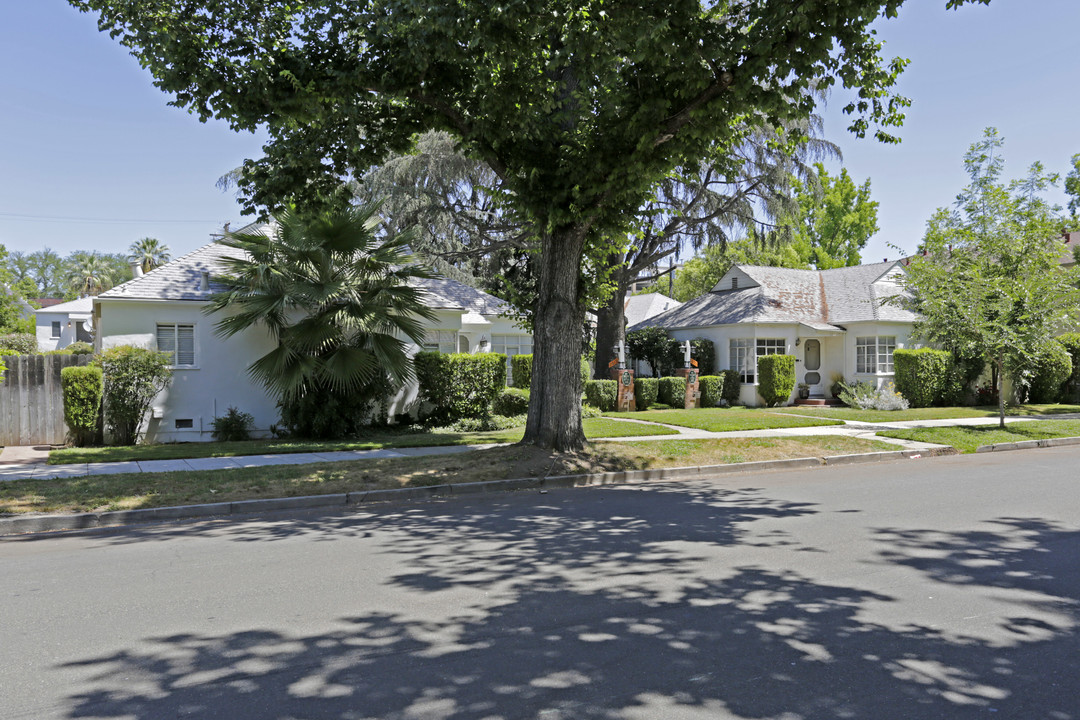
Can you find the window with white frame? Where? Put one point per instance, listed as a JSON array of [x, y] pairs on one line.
[[511, 345], [179, 340], [443, 341], [744, 353], [55, 329], [874, 355]]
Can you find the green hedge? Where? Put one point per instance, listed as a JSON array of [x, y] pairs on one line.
[[732, 386], [1071, 342], [712, 390], [80, 348], [645, 392], [672, 391], [602, 394], [459, 385], [82, 388], [511, 401], [21, 343], [133, 378], [923, 376], [521, 371], [776, 378], [1052, 372]]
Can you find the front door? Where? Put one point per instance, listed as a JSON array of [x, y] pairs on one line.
[[812, 367]]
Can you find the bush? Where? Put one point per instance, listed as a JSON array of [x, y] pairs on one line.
[[80, 348], [645, 392], [1050, 373], [459, 385], [672, 391], [485, 424], [602, 394], [732, 386], [712, 390], [701, 349], [923, 376], [865, 396], [521, 370], [325, 413], [82, 388], [586, 372], [233, 425], [61, 351], [21, 343], [588, 411], [3, 368], [1071, 342], [511, 401], [776, 378], [133, 377]]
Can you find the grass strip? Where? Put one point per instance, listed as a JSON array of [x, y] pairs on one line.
[[932, 413], [595, 428], [99, 493], [967, 438], [726, 419]]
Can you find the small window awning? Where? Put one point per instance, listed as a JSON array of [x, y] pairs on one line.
[[819, 328]]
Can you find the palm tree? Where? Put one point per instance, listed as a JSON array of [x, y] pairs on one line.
[[149, 253], [88, 274], [337, 301]]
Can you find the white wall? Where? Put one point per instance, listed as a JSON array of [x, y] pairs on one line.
[[45, 339]]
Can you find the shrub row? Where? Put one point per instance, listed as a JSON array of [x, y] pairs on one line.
[[521, 371], [459, 385], [928, 377]]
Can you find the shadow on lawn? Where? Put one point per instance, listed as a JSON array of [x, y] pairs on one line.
[[621, 609]]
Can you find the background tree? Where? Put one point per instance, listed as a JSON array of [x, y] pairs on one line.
[[580, 108], [990, 284], [89, 274], [149, 253], [834, 219], [1072, 189], [337, 301], [47, 268]]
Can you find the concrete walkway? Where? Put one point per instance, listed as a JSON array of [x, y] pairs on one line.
[[17, 463]]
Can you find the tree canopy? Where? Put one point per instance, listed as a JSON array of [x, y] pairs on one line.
[[990, 283], [578, 107]]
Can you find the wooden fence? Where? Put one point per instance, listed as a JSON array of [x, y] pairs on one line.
[[31, 401]]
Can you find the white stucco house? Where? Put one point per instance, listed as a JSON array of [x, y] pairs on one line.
[[835, 322], [164, 309], [60, 325]]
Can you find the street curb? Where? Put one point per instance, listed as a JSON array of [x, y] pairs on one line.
[[86, 521], [1029, 444]]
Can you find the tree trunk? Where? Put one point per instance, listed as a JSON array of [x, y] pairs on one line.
[[554, 419], [1000, 367], [611, 325]]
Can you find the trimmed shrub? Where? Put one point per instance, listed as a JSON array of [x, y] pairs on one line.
[[645, 392], [21, 343], [712, 390], [732, 386], [133, 378], [459, 385], [776, 378], [1071, 342], [1051, 372], [82, 387], [233, 425], [672, 391], [521, 370], [588, 411], [80, 348], [924, 376], [511, 401], [602, 394], [586, 372]]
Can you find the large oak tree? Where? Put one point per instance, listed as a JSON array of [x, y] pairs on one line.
[[579, 106]]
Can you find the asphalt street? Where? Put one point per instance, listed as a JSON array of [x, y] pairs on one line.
[[931, 588]]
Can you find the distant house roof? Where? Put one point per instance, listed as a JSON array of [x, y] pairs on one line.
[[182, 279], [48, 302], [82, 306], [638, 308], [819, 299]]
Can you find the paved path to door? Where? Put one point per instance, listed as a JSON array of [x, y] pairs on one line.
[[32, 462]]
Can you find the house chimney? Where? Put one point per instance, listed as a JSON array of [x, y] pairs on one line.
[[136, 269], [204, 281]]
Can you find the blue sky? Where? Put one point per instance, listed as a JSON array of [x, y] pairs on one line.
[[92, 158]]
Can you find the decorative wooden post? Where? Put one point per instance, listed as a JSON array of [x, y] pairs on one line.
[[624, 393], [690, 372]]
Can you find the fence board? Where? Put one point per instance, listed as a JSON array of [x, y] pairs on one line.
[[31, 399]]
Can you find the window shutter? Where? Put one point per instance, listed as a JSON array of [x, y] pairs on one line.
[[185, 345], [166, 340]]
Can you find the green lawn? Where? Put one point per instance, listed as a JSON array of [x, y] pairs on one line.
[[725, 419], [935, 413], [145, 490], [967, 438], [595, 428]]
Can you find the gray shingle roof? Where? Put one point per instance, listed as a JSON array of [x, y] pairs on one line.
[[181, 279], [642, 307], [819, 298]]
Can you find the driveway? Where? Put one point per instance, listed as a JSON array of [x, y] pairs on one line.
[[933, 588]]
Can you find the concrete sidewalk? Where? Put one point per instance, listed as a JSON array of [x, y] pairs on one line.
[[25, 463]]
